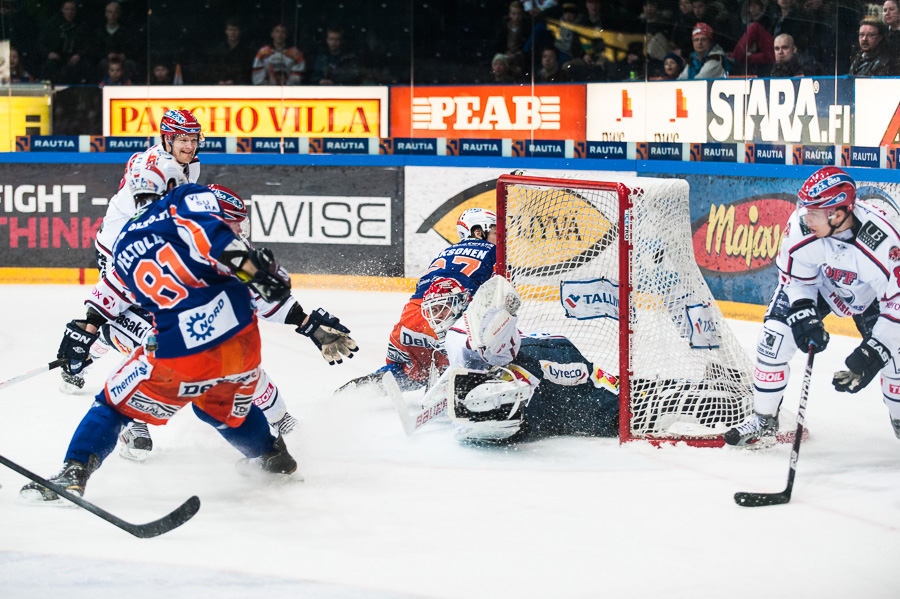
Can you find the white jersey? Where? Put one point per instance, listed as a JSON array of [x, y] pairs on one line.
[[121, 207], [850, 269]]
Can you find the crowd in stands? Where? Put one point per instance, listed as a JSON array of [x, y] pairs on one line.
[[281, 42]]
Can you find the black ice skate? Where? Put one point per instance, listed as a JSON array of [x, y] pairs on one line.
[[758, 426], [136, 441], [278, 461], [73, 478], [71, 384]]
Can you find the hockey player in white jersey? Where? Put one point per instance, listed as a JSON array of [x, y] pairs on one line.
[[129, 328], [838, 255]]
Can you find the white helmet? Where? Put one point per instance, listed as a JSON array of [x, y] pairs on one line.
[[156, 177], [443, 304], [475, 217]]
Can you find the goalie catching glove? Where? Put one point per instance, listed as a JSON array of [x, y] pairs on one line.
[[329, 335], [864, 363], [76, 347]]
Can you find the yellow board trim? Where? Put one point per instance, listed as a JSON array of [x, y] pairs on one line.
[[88, 276]]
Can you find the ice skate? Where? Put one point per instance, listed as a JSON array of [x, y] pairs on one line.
[[73, 477], [136, 441], [71, 384], [285, 424], [895, 422], [278, 462], [758, 426]]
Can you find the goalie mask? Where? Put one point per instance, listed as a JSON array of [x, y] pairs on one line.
[[489, 405], [475, 217], [234, 210], [443, 304]]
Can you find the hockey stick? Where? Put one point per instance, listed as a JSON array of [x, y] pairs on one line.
[[413, 421], [759, 499], [179, 516], [32, 373]]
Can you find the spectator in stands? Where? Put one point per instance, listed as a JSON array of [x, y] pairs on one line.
[[891, 16], [278, 64], [672, 65], [335, 66], [550, 71], [819, 16], [115, 74], [65, 42], [537, 8], [876, 57], [161, 74], [754, 53], [631, 68], [788, 19], [658, 30], [708, 60], [514, 32], [229, 63], [565, 39], [789, 62], [715, 15], [17, 73], [501, 69], [115, 41], [593, 66], [757, 11], [684, 24]]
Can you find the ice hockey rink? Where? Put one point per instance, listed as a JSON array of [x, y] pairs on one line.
[[384, 515]]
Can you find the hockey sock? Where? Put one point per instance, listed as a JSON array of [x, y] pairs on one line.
[[252, 438], [769, 383], [96, 433]]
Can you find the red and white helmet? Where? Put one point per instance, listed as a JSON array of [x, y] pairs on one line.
[[178, 122], [443, 304], [828, 188], [156, 177], [233, 209], [475, 217]]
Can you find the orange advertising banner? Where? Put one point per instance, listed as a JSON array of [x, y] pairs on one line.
[[269, 117], [489, 112]]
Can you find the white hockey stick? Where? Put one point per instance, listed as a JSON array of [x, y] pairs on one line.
[[32, 373], [413, 421]]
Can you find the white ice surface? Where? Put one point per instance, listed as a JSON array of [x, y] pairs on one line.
[[383, 515]]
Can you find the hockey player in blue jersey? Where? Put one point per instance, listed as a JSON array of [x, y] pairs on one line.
[[180, 261], [414, 352]]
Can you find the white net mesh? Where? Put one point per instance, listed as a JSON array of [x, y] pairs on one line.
[[688, 374]]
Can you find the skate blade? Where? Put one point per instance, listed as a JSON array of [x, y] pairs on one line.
[[249, 470], [134, 455], [36, 497]]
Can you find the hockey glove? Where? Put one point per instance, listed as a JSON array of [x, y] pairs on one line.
[[76, 347], [807, 326], [329, 335], [864, 363], [270, 281]]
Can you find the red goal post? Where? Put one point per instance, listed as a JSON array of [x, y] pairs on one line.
[[610, 265]]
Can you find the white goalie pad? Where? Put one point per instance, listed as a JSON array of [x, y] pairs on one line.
[[487, 405]]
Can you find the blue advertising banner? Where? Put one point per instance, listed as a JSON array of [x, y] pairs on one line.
[[775, 111]]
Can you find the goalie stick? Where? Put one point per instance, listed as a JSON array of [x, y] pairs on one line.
[[760, 499], [32, 373], [413, 421], [173, 520]]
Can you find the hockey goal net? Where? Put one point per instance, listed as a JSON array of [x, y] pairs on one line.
[[610, 265]]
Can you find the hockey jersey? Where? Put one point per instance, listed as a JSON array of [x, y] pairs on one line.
[[850, 269], [470, 262], [121, 206], [165, 261]]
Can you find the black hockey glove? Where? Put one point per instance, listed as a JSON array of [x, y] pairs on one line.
[[270, 281], [76, 346], [807, 326], [329, 335], [864, 363]]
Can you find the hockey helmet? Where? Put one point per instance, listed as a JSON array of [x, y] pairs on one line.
[[178, 122], [234, 210], [444, 302], [475, 217], [828, 188], [156, 178]]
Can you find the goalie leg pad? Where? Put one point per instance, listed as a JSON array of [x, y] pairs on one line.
[[488, 405]]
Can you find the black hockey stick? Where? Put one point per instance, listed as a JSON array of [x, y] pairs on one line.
[[173, 520], [758, 499], [31, 373]]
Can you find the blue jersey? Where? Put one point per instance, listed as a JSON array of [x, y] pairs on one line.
[[166, 257], [470, 262]]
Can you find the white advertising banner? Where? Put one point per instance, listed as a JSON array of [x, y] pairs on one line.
[[659, 111], [876, 112]]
